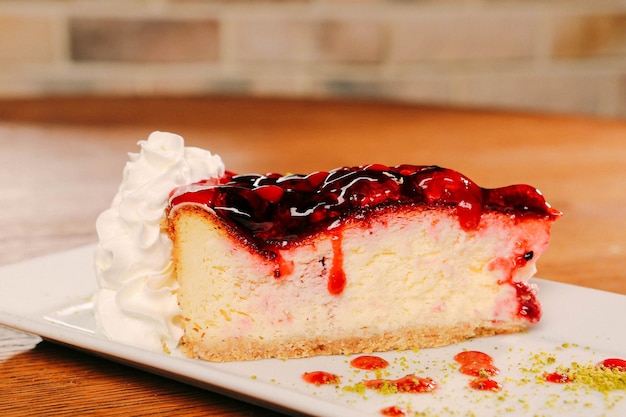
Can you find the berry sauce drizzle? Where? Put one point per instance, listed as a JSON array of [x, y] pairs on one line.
[[411, 384], [321, 378], [369, 363], [276, 210]]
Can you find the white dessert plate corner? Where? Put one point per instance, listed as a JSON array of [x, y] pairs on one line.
[[50, 297]]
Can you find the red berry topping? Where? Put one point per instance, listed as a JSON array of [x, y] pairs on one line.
[[274, 210]]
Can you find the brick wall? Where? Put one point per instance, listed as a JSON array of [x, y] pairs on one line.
[[550, 55]]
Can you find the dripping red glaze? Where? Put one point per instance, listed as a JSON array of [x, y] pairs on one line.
[[337, 278], [283, 268], [529, 307], [321, 378], [408, 384], [369, 363]]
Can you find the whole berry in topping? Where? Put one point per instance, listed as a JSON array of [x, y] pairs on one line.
[[271, 193]]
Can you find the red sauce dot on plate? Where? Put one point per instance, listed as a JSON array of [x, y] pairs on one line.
[[473, 356], [321, 378], [614, 363], [393, 411], [557, 378], [485, 384], [369, 363], [479, 369], [407, 384]]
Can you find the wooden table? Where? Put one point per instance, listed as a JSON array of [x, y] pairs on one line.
[[61, 162]]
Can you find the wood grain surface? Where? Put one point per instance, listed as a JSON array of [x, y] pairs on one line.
[[61, 162]]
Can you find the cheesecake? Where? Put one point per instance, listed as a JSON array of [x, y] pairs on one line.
[[354, 260]]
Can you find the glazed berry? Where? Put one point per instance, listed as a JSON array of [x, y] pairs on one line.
[[270, 193]]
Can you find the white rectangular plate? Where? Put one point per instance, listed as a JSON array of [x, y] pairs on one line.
[[50, 297]]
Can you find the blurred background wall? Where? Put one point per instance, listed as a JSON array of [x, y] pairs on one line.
[[551, 55]]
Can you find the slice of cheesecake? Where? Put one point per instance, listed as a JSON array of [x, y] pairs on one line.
[[359, 259]]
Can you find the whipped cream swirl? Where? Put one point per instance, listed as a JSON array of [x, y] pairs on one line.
[[136, 302]]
